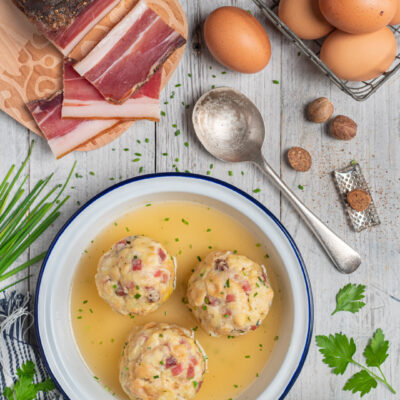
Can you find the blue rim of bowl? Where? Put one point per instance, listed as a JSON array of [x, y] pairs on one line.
[[191, 176]]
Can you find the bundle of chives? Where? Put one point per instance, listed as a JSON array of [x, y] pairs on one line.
[[23, 220]]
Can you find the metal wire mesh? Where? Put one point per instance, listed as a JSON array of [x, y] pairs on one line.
[[311, 48], [348, 179]]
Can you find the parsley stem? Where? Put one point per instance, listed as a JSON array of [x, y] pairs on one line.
[[384, 381]]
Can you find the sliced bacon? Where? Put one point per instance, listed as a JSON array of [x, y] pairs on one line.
[[120, 291], [129, 54], [170, 362], [65, 135], [190, 372], [83, 101], [246, 286], [65, 23], [165, 278], [158, 273], [254, 327], [161, 252], [177, 370], [136, 264], [230, 298], [194, 361]]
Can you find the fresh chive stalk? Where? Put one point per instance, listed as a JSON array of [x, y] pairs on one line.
[[24, 219]]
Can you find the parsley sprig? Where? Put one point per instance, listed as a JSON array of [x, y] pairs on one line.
[[24, 388], [349, 298], [338, 351]]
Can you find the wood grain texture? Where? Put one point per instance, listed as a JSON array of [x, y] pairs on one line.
[[376, 149]]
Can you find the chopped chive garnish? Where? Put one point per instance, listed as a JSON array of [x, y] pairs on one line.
[[147, 140], [138, 296], [230, 173], [136, 160], [186, 144], [138, 154], [177, 132], [199, 258], [275, 82], [185, 222], [164, 154], [301, 187], [163, 113], [257, 190]]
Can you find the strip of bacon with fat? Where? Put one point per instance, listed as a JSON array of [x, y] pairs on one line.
[[83, 101], [65, 135], [132, 52], [65, 22]]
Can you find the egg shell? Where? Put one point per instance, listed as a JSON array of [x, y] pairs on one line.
[[358, 16], [237, 40], [396, 18], [359, 57], [304, 18]]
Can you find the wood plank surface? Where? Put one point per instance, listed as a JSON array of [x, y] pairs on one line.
[[282, 105]]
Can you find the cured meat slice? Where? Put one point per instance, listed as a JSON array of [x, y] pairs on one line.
[[83, 101], [129, 54], [64, 135], [65, 22]]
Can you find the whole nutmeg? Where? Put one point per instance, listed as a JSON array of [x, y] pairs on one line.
[[299, 159], [320, 110], [359, 199], [343, 128]]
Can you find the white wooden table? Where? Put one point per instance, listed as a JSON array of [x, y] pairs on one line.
[[376, 147]]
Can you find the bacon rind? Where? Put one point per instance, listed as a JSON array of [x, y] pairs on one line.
[[83, 101], [66, 38], [126, 58], [65, 135]]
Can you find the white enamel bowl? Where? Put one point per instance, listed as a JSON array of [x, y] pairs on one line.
[[53, 324]]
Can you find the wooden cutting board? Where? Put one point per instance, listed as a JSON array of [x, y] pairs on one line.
[[31, 67]]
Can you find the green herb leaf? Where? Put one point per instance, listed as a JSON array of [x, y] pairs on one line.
[[348, 298], [24, 388], [361, 382], [376, 352], [337, 351]]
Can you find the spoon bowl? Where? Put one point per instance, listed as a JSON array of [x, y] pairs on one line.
[[232, 129], [229, 125]]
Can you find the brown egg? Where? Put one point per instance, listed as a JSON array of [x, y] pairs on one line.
[[237, 40], [396, 18], [359, 57], [358, 16], [304, 18]]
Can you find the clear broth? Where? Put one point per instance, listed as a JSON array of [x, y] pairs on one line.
[[233, 363]]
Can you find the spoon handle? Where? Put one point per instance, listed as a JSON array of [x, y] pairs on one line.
[[345, 259]]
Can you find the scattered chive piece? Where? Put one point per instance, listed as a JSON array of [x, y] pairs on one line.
[[166, 219], [138, 154], [353, 162], [213, 87], [195, 384], [208, 172], [164, 154], [199, 258], [85, 301], [204, 308], [140, 170], [138, 141], [185, 222], [189, 75], [208, 230], [155, 376], [161, 362], [186, 144], [163, 113], [247, 356], [230, 173], [138, 296], [223, 73], [301, 187], [257, 190], [91, 173], [91, 311], [176, 239], [147, 140], [275, 82], [79, 317], [258, 244], [195, 328], [177, 132], [226, 316], [242, 172], [178, 85], [126, 149], [276, 338], [214, 76], [136, 160]]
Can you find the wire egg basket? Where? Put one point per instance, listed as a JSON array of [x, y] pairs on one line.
[[311, 48]]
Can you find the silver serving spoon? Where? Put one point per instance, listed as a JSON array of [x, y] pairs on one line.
[[232, 129]]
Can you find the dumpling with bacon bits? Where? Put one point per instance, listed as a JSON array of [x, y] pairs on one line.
[[229, 294], [136, 276], [162, 362]]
